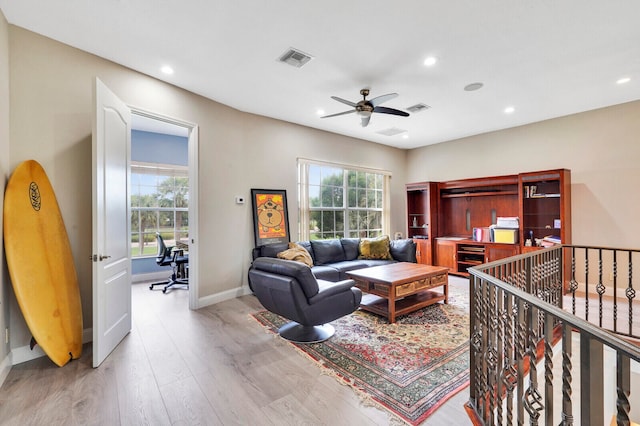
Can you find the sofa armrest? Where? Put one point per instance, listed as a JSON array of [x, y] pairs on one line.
[[328, 289]]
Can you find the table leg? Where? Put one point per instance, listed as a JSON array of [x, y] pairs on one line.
[[392, 304]]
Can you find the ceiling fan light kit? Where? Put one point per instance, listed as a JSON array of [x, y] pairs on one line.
[[365, 108]]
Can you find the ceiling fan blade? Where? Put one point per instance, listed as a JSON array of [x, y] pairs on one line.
[[344, 101], [393, 111], [339, 113], [382, 98], [365, 120]]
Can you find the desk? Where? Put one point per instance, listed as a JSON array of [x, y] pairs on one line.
[[182, 270]]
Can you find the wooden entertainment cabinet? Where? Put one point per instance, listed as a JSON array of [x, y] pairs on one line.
[[441, 216]]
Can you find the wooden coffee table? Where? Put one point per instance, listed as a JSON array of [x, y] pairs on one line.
[[399, 288]]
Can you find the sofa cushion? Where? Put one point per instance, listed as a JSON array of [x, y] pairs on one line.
[[403, 250], [370, 263], [327, 251], [375, 248], [272, 250], [297, 253], [351, 247], [326, 273], [348, 265]]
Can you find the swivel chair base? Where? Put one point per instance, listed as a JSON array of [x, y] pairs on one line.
[[184, 283], [171, 282], [298, 333]]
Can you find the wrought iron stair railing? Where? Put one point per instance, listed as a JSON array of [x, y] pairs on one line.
[[517, 322]]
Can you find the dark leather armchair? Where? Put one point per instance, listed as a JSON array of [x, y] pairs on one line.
[[168, 256], [289, 289]]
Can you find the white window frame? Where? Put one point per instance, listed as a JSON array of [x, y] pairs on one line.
[[304, 208], [157, 169]]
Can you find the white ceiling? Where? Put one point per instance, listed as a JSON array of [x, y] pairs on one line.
[[546, 58]]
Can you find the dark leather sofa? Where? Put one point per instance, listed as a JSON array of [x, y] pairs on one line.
[[332, 258]]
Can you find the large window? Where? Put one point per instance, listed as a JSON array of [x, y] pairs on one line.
[[159, 203], [339, 201]]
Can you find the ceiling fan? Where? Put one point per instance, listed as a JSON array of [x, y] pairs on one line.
[[365, 107]]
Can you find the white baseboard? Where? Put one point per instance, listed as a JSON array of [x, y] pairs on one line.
[[5, 367], [151, 276], [24, 353], [221, 297]]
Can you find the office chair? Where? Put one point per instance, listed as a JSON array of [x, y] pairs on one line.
[[179, 263]]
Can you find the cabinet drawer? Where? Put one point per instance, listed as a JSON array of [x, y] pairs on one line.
[[363, 285], [438, 280], [412, 287], [381, 288], [404, 289]]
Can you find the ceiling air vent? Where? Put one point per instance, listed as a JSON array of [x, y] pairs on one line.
[[417, 108], [391, 131], [295, 58]]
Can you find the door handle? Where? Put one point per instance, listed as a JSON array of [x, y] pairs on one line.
[[98, 258]]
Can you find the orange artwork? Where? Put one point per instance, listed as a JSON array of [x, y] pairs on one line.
[[270, 210]]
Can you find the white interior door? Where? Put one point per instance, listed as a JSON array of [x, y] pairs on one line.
[[111, 248]]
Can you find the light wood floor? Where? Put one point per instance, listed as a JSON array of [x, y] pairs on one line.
[[214, 366]]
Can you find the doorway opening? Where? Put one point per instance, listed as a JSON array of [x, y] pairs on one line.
[[163, 193]]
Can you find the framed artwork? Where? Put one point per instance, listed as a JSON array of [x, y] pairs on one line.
[[270, 216]]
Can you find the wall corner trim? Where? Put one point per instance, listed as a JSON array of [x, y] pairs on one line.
[[222, 296], [24, 353], [5, 368]]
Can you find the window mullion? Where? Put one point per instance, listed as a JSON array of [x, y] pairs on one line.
[[345, 203]]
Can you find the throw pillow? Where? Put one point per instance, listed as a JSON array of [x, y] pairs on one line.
[[403, 250], [327, 251], [297, 253], [375, 248]]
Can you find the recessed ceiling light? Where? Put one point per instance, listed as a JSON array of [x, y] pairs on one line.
[[320, 112], [509, 110], [623, 80], [405, 136], [473, 86], [430, 61], [167, 70]]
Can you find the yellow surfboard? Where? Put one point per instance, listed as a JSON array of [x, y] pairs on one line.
[[41, 264]]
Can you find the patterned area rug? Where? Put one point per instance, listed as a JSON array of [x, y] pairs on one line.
[[410, 367]]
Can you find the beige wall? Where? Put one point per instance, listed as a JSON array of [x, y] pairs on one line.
[[600, 147], [51, 88], [4, 174]]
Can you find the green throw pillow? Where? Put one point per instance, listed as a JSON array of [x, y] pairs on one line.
[[375, 248]]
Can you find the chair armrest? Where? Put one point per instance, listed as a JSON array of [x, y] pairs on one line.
[[175, 253], [328, 289]]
